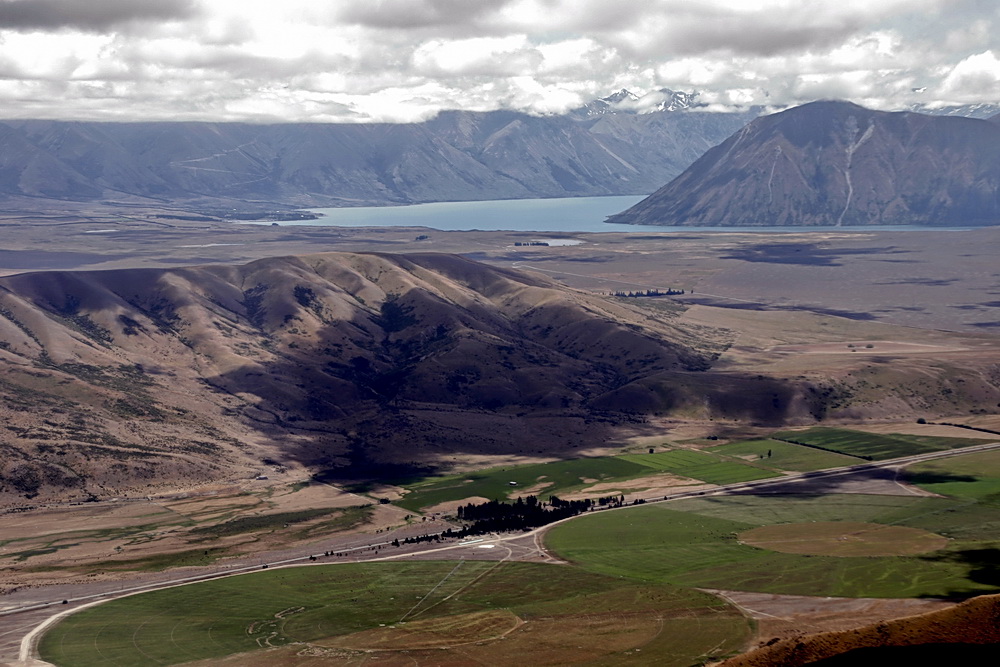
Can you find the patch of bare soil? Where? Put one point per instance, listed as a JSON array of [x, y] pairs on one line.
[[781, 617], [991, 422], [972, 622], [65, 543], [653, 486], [451, 506], [539, 486]]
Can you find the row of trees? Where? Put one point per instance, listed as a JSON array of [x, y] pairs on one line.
[[496, 516], [649, 292]]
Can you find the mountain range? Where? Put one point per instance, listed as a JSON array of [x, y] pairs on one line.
[[605, 148], [835, 163]]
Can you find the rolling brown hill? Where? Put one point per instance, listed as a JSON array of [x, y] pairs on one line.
[[117, 382], [836, 163]]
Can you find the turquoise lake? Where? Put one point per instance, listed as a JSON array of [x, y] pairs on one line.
[[573, 214]]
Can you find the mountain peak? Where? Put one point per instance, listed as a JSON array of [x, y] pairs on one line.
[[833, 163], [620, 96], [625, 101]]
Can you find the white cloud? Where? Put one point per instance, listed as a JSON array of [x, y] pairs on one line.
[[405, 59], [492, 56], [973, 76]]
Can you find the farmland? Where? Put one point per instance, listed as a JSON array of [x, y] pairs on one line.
[[424, 609], [975, 476], [638, 602], [782, 455], [872, 446], [561, 477], [543, 478], [697, 543], [741, 461]]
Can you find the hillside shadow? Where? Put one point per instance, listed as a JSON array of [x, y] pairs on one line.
[[408, 391], [819, 484], [935, 478], [982, 566], [806, 254]]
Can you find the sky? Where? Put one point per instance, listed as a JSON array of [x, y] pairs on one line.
[[405, 60]]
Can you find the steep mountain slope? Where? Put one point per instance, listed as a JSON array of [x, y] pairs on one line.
[[120, 381], [454, 156], [835, 163]]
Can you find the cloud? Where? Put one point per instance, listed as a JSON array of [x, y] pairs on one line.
[[405, 59], [969, 78], [88, 15], [417, 14]]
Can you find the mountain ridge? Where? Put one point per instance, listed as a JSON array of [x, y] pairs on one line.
[[455, 156], [834, 163]]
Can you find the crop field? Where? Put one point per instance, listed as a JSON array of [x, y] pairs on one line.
[[559, 477], [494, 483], [843, 538], [672, 460], [698, 542], [700, 466], [725, 464], [975, 476], [784, 455], [873, 446], [424, 611]]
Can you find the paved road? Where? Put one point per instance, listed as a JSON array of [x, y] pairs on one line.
[[22, 625]]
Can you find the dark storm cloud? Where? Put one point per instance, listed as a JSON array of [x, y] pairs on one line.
[[88, 15]]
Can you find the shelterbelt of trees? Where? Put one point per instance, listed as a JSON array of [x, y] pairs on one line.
[[496, 516]]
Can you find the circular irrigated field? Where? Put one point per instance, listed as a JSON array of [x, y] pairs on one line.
[[843, 538]]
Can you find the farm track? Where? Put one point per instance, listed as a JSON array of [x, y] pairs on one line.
[[34, 619]]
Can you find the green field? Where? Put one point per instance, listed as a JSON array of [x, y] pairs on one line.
[[421, 609], [784, 455], [694, 543], [724, 464], [700, 466], [494, 483], [974, 476], [631, 595], [873, 446], [561, 477]]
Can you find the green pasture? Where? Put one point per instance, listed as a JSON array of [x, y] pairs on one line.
[[673, 460], [874, 446], [974, 476], [494, 483], [695, 543], [701, 466], [784, 455], [275, 608], [561, 477]]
